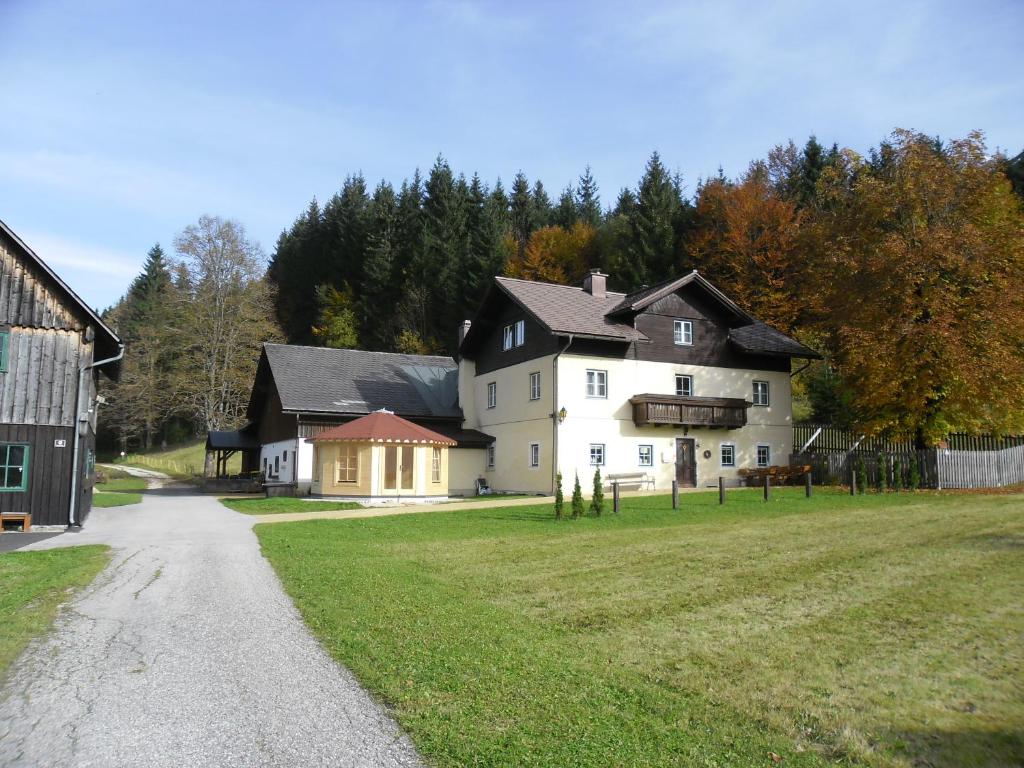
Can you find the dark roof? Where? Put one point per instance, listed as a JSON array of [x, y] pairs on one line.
[[759, 338], [236, 440], [465, 438], [383, 427], [566, 309], [323, 380], [643, 298]]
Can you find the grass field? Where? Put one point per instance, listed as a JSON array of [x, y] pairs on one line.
[[118, 489], [181, 462], [280, 505], [34, 585], [118, 499], [877, 630]]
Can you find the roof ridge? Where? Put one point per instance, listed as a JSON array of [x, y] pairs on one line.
[[349, 349], [553, 285]]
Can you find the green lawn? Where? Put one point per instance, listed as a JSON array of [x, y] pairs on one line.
[[34, 584], [877, 630], [182, 462], [119, 499], [122, 484], [283, 504]]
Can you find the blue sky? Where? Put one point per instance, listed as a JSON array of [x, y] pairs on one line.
[[125, 121]]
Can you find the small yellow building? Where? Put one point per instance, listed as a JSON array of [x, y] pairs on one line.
[[381, 456]]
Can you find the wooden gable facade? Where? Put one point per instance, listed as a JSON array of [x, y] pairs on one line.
[[52, 349]]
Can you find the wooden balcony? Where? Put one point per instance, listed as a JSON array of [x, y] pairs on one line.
[[673, 410]]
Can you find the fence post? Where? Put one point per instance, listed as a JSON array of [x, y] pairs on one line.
[[853, 479], [767, 487], [675, 494], [615, 497], [721, 490], [807, 485]]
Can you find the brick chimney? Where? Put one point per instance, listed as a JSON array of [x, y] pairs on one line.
[[595, 284]]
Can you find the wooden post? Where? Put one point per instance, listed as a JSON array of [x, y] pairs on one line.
[[807, 485], [767, 487], [615, 497], [675, 494], [853, 480], [721, 490]]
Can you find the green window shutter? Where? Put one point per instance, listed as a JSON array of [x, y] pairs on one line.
[[5, 344]]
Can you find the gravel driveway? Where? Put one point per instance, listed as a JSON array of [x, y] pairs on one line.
[[185, 651]]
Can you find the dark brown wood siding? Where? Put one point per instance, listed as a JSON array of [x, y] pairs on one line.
[[47, 495], [537, 342], [27, 296], [711, 344], [276, 425]]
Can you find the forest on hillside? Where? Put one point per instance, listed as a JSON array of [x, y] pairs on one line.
[[904, 267]]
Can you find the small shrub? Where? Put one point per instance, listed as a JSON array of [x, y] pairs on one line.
[[862, 475], [597, 500], [897, 474], [915, 473], [577, 498], [883, 473], [559, 498]]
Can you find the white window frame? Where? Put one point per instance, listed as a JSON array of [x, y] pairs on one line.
[[492, 394], [490, 456], [534, 455], [507, 337], [721, 456], [767, 394], [640, 455], [599, 448], [680, 378], [682, 332], [598, 388], [768, 455], [520, 332], [535, 385], [351, 466], [435, 465]]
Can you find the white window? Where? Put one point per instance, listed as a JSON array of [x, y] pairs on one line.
[[534, 454], [520, 332], [728, 455], [684, 386], [597, 383], [492, 394], [597, 454], [760, 393], [535, 386], [435, 465], [346, 468], [764, 456], [646, 456], [683, 332], [507, 337], [513, 335], [490, 456]]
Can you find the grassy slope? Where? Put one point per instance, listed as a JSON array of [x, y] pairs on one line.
[[279, 505], [183, 461], [119, 499], [875, 630], [118, 491], [34, 584]]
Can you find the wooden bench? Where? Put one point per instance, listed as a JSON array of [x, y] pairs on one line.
[[18, 521], [632, 479], [778, 475]]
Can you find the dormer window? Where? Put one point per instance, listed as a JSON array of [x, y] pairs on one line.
[[514, 335], [684, 332]]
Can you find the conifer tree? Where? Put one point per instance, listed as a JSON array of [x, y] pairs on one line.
[[577, 498], [597, 499], [559, 498], [379, 295], [588, 201], [915, 473], [522, 210], [565, 213]]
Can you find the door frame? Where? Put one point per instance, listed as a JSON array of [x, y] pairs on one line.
[[399, 450], [693, 461]]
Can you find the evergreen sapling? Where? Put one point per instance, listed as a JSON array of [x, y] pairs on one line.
[[897, 474], [915, 473], [597, 500], [559, 498], [577, 498]]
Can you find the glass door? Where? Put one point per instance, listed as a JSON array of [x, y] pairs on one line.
[[398, 468]]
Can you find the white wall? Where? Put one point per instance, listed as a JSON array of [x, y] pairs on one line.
[[286, 469]]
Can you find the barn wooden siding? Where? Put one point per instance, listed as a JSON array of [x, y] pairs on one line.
[[40, 384], [47, 494], [28, 299]]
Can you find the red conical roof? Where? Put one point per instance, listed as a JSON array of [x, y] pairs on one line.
[[384, 427]]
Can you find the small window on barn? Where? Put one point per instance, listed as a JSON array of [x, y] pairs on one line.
[[683, 332], [346, 468], [520, 332], [435, 466], [507, 338], [284, 457], [5, 346], [13, 467]]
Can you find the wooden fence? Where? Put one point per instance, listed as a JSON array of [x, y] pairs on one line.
[[835, 439], [936, 467]]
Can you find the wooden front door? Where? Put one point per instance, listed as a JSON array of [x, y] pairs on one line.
[[398, 468], [686, 462]]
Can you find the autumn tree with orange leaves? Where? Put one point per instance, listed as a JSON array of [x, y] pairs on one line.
[[556, 255]]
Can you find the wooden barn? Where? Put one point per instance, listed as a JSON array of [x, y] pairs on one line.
[[52, 349]]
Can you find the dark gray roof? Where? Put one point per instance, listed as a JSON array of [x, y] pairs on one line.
[[236, 440], [466, 438], [566, 309], [762, 339], [322, 380]]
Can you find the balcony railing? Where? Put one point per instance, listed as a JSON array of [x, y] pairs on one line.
[[674, 410]]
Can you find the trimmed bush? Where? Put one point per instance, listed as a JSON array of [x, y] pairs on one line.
[[862, 475], [897, 474], [559, 498], [577, 498], [597, 500], [883, 473], [915, 473]]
